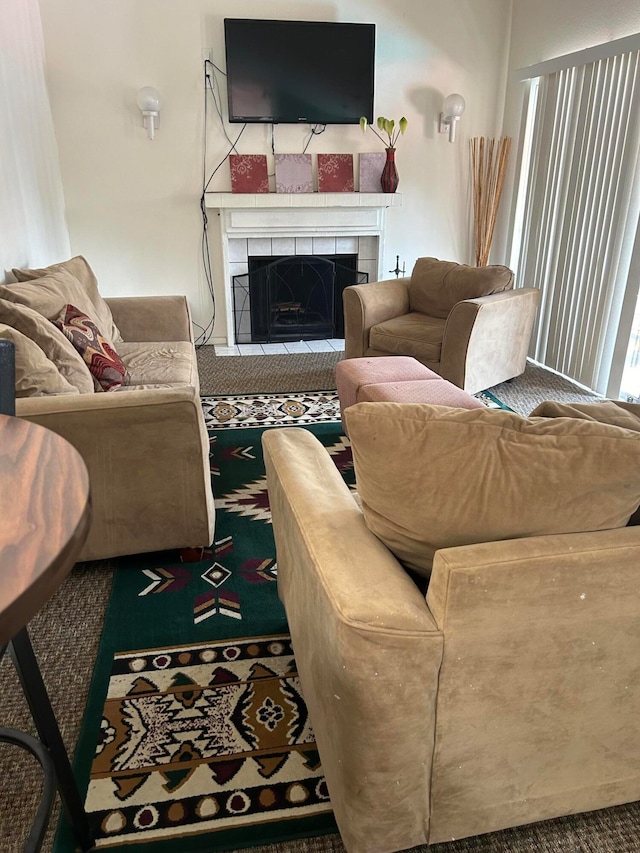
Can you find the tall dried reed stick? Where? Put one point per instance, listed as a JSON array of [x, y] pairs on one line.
[[488, 166]]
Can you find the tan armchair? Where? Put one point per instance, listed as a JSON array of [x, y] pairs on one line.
[[466, 323], [510, 695]]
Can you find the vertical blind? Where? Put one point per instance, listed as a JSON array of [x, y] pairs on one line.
[[579, 209]]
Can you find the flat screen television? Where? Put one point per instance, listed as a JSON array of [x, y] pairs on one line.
[[287, 72]]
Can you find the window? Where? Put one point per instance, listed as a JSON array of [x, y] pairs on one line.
[[577, 212]]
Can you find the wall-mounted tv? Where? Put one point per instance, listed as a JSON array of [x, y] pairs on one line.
[[287, 72]]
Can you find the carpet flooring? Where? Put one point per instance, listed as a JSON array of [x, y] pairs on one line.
[[66, 632], [267, 374]]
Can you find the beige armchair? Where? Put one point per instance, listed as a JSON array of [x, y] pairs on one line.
[[466, 323], [510, 695]]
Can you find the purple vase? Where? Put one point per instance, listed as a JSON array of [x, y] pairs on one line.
[[389, 179]]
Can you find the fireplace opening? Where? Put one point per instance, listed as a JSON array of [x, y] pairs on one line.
[[293, 298]]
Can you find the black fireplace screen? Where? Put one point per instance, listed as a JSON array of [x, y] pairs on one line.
[[293, 298]]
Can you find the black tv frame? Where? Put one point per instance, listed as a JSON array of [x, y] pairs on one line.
[[336, 35]]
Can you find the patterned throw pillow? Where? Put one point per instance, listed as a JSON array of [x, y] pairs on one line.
[[102, 360]]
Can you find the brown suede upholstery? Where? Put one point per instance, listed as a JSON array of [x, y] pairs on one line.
[[510, 695], [613, 412], [78, 268], [434, 476], [35, 374], [147, 450], [435, 287], [466, 323]]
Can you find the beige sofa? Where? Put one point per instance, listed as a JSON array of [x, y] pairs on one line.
[[510, 694], [467, 323], [145, 443]]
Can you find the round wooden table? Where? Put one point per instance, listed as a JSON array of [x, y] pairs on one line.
[[45, 514]]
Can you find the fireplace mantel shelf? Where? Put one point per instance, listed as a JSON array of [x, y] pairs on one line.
[[246, 201]]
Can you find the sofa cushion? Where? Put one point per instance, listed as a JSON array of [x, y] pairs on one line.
[[150, 363], [436, 286], [99, 353], [36, 376], [79, 268], [412, 334], [56, 347], [50, 294], [616, 412], [606, 412], [431, 477]]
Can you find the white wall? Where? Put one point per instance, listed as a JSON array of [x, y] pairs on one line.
[[32, 222], [548, 28], [545, 29], [133, 205]]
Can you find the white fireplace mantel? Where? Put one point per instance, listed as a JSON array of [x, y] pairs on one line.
[[271, 200], [297, 214], [298, 222]]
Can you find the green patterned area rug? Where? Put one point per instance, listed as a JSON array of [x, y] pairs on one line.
[[196, 735]]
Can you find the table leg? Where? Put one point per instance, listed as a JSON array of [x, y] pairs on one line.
[[28, 670], [39, 751]]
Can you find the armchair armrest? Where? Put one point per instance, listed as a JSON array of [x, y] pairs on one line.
[[538, 689], [147, 456], [152, 318], [365, 305], [365, 645], [486, 340]]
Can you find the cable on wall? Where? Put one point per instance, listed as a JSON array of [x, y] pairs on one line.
[[210, 90], [314, 132]]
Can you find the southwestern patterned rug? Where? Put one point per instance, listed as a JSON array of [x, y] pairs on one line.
[[196, 735], [312, 407]]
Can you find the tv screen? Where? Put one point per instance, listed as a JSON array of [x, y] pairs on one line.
[[299, 71]]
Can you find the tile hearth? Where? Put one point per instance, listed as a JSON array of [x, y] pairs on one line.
[[333, 345]]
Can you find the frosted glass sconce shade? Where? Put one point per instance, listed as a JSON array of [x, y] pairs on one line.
[[149, 102], [452, 109]]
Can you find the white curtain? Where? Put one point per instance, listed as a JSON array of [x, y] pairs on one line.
[[33, 228], [580, 211]]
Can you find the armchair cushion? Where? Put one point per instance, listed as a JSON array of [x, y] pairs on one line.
[[56, 347], [431, 477], [606, 412], [412, 334], [102, 360], [436, 286], [36, 376], [78, 267]]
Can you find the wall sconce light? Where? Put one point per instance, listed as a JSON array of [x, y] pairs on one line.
[[149, 101], [452, 109]]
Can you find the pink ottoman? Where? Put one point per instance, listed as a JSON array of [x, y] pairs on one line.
[[353, 373], [396, 379], [436, 392]]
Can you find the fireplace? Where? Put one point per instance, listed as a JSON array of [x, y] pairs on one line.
[[293, 298], [280, 225]]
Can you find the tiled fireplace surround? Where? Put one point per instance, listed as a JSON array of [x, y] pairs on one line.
[[298, 224]]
